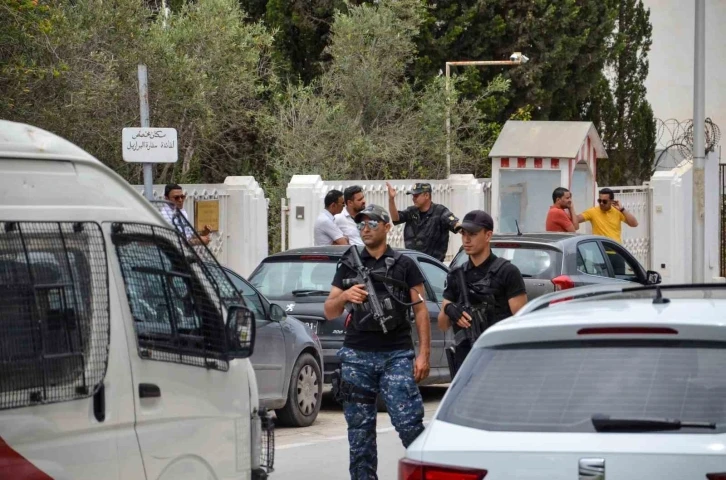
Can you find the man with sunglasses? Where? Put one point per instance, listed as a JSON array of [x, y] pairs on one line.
[[607, 217], [606, 220], [427, 223], [374, 360], [174, 193]]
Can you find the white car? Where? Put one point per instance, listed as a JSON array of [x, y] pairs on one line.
[[624, 385]]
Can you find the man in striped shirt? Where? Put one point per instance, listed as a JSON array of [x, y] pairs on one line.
[[174, 193]]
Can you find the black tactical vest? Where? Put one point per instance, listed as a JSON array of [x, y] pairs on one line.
[[482, 292], [391, 295]]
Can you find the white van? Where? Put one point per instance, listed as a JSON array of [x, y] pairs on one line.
[[119, 359]]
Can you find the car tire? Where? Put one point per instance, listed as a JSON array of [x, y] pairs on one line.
[[304, 395]]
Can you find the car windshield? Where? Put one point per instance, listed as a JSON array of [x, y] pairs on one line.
[[558, 387], [531, 261], [293, 278]]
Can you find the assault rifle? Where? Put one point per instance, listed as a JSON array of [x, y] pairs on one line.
[[478, 316], [364, 277]]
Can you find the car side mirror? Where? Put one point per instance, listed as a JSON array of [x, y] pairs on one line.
[[654, 278], [240, 331], [277, 314]]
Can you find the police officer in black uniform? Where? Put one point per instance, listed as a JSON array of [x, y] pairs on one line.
[[492, 282], [379, 359], [427, 223]]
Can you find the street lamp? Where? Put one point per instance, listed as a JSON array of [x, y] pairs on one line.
[[515, 59]]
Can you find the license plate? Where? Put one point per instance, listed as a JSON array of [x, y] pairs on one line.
[[313, 326]]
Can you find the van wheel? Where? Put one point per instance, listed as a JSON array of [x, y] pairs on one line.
[[304, 395]]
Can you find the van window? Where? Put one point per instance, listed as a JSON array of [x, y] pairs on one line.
[[54, 312], [178, 313]]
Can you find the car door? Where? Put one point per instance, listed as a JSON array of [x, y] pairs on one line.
[[622, 264], [435, 283], [591, 265], [269, 356]]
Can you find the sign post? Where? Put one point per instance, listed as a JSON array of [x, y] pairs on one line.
[[148, 145]]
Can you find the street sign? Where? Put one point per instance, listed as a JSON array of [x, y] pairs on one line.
[[149, 145]]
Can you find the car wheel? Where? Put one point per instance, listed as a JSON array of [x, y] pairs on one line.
[[304, 395]]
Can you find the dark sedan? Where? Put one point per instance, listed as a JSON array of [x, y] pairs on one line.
[[299, 281], [559, 261]]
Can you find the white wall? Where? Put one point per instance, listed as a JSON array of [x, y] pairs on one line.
[[460, 193], [671, 243], [241, 242], [670, 79]]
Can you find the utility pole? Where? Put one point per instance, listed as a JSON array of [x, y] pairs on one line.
[[699, 144], [144, 106], [516, 59]]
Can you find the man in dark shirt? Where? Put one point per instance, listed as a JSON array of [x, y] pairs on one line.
[[373, 360], [487, 277], [427, 224]]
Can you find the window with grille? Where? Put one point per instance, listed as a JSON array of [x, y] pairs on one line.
[[178, 312], [54, 312]]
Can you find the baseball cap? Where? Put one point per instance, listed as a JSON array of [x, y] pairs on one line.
[[374, 212], [419, 188], [476, 220]]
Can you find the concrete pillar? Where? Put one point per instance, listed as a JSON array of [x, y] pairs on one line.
[[246, 232], [306, 194], [467, 194]]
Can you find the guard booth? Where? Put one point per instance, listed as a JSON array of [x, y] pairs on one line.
[[530, 160]]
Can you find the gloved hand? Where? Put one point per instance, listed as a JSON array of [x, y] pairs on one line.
[[454, 312]]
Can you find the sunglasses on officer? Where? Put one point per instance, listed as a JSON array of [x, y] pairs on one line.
[[372, 224]]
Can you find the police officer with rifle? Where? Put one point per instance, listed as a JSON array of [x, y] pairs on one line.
[[481, 292], [380, 287]]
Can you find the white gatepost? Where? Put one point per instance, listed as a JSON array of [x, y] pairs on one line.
[[306, 194], [672, 239], [246, 224], [467, 194]]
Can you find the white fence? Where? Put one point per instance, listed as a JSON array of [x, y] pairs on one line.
[[241, 241], [460, 193]]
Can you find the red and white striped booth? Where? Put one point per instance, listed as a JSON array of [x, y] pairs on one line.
[[531, 159]]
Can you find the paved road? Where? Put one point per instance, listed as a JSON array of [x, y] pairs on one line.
[[320, 452]]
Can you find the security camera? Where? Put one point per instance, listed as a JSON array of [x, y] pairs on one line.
[[518, 57]]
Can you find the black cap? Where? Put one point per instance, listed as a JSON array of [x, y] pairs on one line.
[[374, 212], [420, 188], [476, 220]]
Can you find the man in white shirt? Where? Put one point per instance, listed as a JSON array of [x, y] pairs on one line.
[[326, 232], [355, 202], [174, 193]]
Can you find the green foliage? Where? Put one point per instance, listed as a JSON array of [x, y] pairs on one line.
[[362, 119], [567, 41], [619, 107], [210, 77]]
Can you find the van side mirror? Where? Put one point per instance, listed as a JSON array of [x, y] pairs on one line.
[[240, 331], [654, 278], [277, 314]]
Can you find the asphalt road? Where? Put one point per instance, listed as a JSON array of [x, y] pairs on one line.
[[320, 452]]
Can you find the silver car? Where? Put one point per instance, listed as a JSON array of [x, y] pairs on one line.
[[287, 359], [552, 262]]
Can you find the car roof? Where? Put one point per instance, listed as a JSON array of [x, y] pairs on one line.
[[544, 237], [331, 250], [629, 307]]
